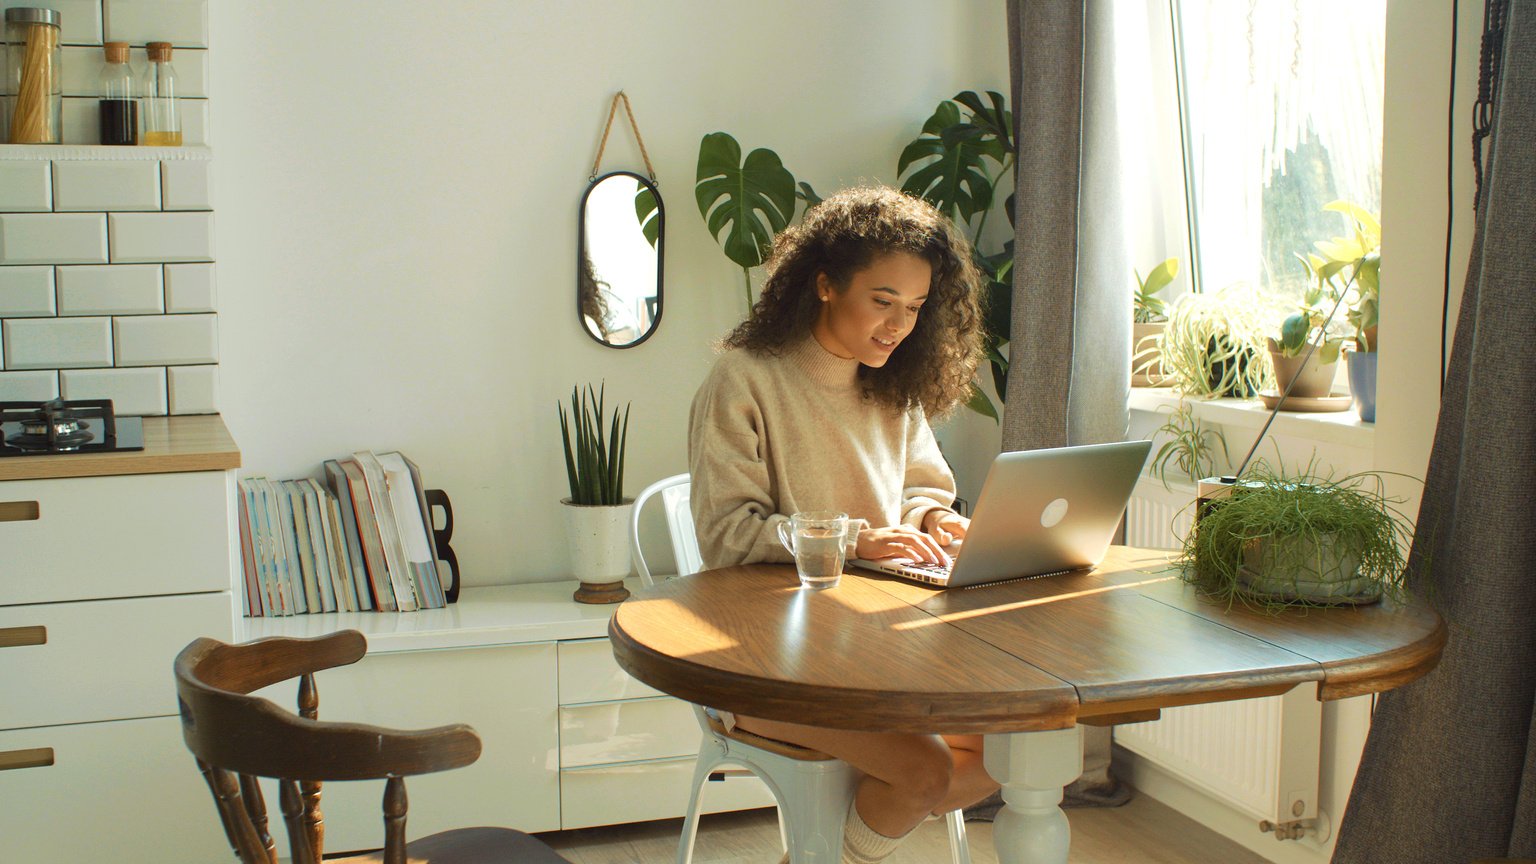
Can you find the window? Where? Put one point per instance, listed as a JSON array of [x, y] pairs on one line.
[[1281, 105]]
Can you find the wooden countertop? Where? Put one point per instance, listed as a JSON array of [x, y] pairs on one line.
[[171, 444]]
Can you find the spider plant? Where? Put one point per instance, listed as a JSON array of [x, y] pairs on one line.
[[1213, 344], [594, 465], [1188, 447]]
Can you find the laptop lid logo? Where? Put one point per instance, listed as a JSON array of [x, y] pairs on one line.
[[1053, 513]]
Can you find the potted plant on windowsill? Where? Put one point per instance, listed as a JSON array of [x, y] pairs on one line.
[[1213, 344], [596, 513], [1149, 319], [1275, 540], [1294, 357], [1349, 266]]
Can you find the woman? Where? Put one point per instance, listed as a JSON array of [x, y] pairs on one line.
[[869, 323]]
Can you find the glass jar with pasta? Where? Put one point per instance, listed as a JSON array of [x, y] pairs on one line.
[[33, 64]]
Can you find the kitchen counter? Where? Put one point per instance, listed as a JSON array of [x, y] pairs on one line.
[[171, 444]]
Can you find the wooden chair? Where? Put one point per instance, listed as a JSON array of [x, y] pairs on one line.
[[237, 738]]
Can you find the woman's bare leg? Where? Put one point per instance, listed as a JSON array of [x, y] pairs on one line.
[[969, 782], [906, 776]]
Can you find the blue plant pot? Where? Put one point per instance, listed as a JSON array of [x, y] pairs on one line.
[[1362, 383]]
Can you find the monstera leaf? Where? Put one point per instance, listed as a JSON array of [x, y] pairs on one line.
[[647, 213], [994, 119], [746, 202], [953, 177]]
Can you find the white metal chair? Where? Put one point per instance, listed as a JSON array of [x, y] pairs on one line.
[[813, 790]]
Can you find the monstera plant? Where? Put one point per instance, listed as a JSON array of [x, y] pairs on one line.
[[963, 150]]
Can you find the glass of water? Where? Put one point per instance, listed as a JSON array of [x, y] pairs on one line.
[[816, 539]]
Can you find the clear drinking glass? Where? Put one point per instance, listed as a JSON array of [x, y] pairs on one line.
[[816, 540]]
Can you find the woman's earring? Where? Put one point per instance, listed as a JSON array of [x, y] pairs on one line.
[[823, 298]]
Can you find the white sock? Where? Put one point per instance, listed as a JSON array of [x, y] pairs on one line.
[[863, 844]]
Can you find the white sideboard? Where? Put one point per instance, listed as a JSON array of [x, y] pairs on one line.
[[570, 739], [104, 575]]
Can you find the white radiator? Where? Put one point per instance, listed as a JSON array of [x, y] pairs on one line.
[[1261, 756]]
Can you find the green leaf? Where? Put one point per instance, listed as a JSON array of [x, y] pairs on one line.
[[1161, 276], [747, 201], [1293, 333], [808, 195], [993, 118], [648, 213], [979, 403], [1328, 352], [951, 176]]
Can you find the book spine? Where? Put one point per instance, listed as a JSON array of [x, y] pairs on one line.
[[368, 531], [251, 601], [336, 478], [294, 521], [394, 555], [287, 601], [346, 587], [312, 519], [436, 579]]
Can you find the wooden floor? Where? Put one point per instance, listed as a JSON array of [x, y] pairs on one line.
[[1141, 832]]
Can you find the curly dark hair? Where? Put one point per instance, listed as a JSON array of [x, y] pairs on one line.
[[933, 366]]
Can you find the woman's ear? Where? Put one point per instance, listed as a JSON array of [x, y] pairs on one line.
[[823, 286]]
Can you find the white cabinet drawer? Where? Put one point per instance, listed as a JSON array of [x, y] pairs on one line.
[[103, 660], [124, 536], [588, 673], [126, 791], [640, 792], [626, 731], [507, 694]]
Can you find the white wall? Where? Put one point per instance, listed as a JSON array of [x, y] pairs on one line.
[[397, 184]]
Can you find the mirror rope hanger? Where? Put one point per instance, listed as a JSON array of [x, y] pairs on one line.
[[612, 109]]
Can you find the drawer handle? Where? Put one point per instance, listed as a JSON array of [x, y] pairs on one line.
[[20, 637], [18, 511], [38, 757]]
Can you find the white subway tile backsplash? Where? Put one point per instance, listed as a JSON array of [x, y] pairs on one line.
[[26, 292], [134, 392], [190, 288], [36, 386], [57, 343], [106, 185], [25, 187], [111, 289], [166, 340], [180, 22], [184, 184], [193, 389], [79, 20], [53, 238], [155, 237], [194, 121], [83, 63]]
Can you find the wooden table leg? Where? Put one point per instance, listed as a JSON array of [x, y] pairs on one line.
[[1034, 768]]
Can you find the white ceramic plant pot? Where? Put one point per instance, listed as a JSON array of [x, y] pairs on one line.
[[598, 537], [1320, 570]]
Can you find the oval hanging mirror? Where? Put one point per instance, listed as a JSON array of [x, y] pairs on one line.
[[618, 259]]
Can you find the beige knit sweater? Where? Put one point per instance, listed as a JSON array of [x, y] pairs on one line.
[[770, 436]]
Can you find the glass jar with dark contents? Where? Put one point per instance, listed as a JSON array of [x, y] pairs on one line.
[[117, 105]]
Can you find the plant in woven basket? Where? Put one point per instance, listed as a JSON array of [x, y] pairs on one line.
[[1214, 343], [1306, 539]]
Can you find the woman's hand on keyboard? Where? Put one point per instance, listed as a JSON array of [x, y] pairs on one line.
[[900, 541], [945, 527]]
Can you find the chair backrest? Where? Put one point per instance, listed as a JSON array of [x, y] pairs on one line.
[[237, 737], [675, 506]]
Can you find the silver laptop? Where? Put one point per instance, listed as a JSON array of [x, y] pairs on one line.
[[1040, 512]]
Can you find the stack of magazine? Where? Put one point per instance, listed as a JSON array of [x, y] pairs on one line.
[[360, 541]]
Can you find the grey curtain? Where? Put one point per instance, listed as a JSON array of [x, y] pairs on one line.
[[1449, 772], [1069, 346]]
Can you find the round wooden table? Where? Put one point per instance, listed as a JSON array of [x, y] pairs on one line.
[[1023, 662]]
